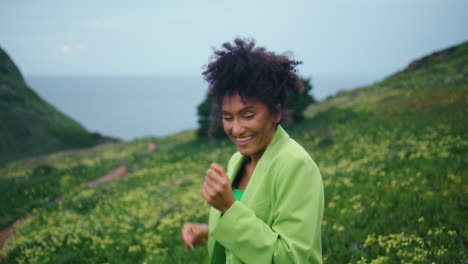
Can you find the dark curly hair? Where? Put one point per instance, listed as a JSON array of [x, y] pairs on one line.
[[254, 73]]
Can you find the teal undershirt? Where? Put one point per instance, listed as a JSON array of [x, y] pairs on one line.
[[237, 193]]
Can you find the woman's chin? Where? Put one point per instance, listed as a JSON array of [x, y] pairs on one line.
[[244, 151]]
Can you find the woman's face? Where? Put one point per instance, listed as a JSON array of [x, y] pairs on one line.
[[249, 124]]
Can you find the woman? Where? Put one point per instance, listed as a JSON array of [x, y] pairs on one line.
[[267, 207]]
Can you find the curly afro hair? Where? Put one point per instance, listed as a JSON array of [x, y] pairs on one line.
[[254, 73]]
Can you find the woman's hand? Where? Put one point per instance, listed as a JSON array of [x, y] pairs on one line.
[[217, 188], [194, 234]]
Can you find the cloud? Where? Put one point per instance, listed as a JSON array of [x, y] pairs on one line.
[[71, 47]]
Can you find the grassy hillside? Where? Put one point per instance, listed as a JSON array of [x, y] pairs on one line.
[[30, 126], [393, 158]]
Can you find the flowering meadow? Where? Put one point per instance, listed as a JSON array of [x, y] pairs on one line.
[[393, 158]]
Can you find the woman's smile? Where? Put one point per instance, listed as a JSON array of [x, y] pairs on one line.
[[243, 140]]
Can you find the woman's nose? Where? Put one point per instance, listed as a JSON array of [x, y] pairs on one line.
[[237, 127]]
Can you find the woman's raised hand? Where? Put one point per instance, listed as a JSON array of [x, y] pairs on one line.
[[194, 234], [217, 188]]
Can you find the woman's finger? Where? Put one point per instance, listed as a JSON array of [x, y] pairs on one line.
[[187, 236], [210, 182], [213, 175], [215, 183], [183, 232], [190, 246], [211, 193], [216, 180], [219, 170], [188, 232], [206, 196]]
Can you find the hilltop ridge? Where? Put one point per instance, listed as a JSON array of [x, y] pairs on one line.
[[29, 125], [460, 51]]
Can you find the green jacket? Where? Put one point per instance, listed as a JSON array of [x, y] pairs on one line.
[[279, 216]]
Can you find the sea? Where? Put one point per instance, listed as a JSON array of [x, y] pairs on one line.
[[131, 107]]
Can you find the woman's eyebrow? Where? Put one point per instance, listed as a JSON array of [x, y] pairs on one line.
[[247, 108], [240, 111]]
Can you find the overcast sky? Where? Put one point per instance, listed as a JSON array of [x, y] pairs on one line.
[[331, 37]]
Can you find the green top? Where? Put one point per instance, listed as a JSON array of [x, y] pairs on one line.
[[237, 193]]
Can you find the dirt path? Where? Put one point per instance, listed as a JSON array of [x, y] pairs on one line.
[[117, 174], [5, 234]]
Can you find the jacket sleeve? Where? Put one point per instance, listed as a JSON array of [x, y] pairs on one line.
[[294, 235]]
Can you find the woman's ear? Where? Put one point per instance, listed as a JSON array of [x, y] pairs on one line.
[[278, 113]]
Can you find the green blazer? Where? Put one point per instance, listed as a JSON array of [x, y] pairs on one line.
[[279, 216]]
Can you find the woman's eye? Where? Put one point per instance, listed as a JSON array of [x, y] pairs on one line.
[[227, 117], [249, 115]]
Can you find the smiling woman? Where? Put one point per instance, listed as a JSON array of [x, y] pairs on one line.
[[267, 207]]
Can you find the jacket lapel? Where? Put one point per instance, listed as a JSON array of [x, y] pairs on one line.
[[263, 164]]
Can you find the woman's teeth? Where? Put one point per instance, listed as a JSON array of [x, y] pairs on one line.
[[243, 139]]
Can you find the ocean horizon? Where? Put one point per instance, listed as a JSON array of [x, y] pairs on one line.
[[131, 107]]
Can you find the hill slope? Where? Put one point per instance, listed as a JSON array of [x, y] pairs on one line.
[[30, 126], [393, 158]]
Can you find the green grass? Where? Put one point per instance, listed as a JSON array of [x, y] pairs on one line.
[[393, 158], [37, 182]]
